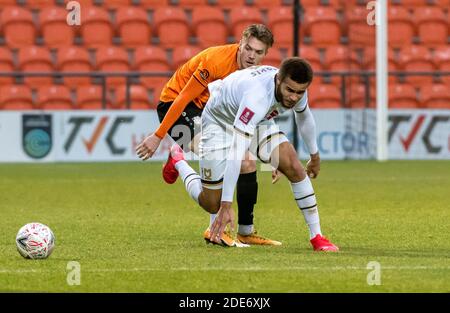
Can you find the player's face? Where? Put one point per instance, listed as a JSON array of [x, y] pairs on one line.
[[251, 52], [289, 92]]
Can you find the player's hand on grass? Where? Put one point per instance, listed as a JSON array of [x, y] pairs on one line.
[[148, 147], [313, 166], [224, 217], [276, 175]]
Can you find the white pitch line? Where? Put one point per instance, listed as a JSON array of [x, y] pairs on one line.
[[231, 269]]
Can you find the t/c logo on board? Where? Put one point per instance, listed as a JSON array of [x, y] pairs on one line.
[[90, 142]]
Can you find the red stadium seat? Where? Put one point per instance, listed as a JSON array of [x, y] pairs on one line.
[[15, 97], [36, 59], [322, 25], [18, 27], [400, 27], [151, 59], [182, 54], [54, 27], [340, 58], [435, 96], [153, 4], [37, 4], [91, 98], [241, 17], [267, 4], [113, 59], [5, 3], [357, 96], [316, 3], [6, 65], [155, 88], [230, 4], [115, 4], [273, 57], [442, 57], [359, 32], [96, 27], [311, 54], [402, 96], [417, 58], [139, 98], [280, 22], [190, 4], [74, 59], [54, 97], [172, 26], [369, 62], [420, 3], [432, 25], [324, 96], [133, 26], [209, 26]]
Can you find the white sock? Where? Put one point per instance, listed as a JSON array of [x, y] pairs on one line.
[[212, 217], [306, 201], [245, 229], [192, 181]]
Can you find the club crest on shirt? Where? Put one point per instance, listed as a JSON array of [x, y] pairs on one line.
[[204, 74], [246, 116], [272, 114]]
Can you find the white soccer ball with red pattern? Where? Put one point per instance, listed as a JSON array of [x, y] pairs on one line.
[[35, 241]]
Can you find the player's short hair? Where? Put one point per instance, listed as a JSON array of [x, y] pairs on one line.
[[260, 32], [297, 69]]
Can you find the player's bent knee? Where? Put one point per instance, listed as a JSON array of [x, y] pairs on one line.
[[248, 166]]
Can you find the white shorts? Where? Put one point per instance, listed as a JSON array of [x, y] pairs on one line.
[[215, 143]]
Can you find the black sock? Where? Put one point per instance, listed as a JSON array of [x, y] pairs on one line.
[[247, 192]]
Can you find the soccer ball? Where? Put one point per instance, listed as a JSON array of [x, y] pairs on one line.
[[35, 241]]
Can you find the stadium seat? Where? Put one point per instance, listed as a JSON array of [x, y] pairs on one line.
[[6, 65], [15, 97], [322, 26], [35, 59], [54, 28], [155, 88], [116, 4], [182, 54], [420, 3], [267, 4], [81, 2], [280, 23], [435, 96], [230, 4], [402, 96], [55, 97], [133, 26], [357, 95], [18, 26], [316, 3], [74, 59], [369, 62], [359, 32], [190, 4], [96, 29], [241, 17], [171, 26], [400, 27], [273, 57], [37, 4], [113, 59], [5, 3], [209, 26], [91, 98], [340, 58], [151, 59], [432, 25], [139, 98], [442, 57], [324, 96], [311, 54], [416, 58], [153, 4]]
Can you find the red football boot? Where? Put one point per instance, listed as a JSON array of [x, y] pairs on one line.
[[169, 172], [321, 243]]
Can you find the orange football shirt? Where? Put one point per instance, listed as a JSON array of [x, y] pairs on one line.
[[207, 66]]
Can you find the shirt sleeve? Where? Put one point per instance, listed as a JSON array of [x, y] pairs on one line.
[[302, 104], [306, 125], [205, 73]]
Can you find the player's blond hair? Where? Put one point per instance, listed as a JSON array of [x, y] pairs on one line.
[[260, 32]]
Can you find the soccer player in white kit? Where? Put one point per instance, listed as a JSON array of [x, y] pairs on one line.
[[238, 117]]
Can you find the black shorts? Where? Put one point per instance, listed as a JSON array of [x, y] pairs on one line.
[[185, 128]]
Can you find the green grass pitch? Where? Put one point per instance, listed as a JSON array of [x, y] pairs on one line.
[[130, 232]]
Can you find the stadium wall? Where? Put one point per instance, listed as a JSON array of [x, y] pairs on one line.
[[90, 136]]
